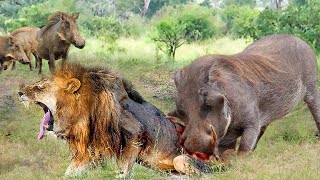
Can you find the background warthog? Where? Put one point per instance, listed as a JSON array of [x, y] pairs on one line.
[[221, 98], [28, 39], [56, 37], [11, 50]]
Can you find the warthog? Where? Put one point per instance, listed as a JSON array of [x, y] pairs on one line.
[[28, 38], [56, 37], [11, 50], [221, 98]]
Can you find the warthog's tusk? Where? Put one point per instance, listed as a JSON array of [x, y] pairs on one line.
[[214, 135], [214, 140]]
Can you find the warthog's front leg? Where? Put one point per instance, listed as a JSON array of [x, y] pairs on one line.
[[249, 139], [51, 62]]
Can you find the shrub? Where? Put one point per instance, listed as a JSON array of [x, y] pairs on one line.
[[107, 29], [239, 21], [135, 26], [244, 24], [267, 23], [301, 21], [182, 24]]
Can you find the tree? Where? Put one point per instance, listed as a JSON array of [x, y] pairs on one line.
[[172, 35], [183, 24]]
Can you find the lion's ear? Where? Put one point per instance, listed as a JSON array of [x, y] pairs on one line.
[[73, 85]]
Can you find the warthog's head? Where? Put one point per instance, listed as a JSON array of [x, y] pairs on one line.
[[70, 31], [204, 110], [15, 51]]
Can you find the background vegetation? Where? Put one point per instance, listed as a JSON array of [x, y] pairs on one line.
[[147, 49]]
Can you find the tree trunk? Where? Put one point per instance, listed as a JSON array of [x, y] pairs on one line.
[[145, 7], [278, 3]]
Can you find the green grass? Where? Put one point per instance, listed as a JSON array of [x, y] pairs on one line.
[[288, 150]]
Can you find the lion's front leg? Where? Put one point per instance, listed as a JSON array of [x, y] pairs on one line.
[[77, 167], [127, 158]]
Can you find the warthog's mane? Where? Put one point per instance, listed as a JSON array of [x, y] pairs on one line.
[[53, 20], [252, 68]]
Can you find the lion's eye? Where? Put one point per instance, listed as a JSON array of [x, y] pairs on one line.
[[40, 87]]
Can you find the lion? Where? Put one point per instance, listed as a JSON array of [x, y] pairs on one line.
[[102, 116]]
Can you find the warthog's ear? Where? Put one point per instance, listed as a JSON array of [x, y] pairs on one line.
[[62, 17], [214, 99], [209, 98], [61, 36], [9, 56], [73, 85], [75, 15]]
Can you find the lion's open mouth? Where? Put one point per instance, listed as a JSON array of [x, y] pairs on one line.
[[46, 122]]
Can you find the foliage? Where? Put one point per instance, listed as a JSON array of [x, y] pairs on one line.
[[244, 23], [135, 26], [228, 15], [156, 5], [107, 29], [10, 8], [171, 34], [250, 3], [37, 14], [240, 21], [182, 24], [301, 21], [267, 23]]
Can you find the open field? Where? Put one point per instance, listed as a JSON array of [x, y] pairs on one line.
[[290, 148]]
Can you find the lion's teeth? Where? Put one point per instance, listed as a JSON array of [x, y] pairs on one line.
[[26, 104]]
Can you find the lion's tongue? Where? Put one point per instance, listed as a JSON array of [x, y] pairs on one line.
[[44, 122]]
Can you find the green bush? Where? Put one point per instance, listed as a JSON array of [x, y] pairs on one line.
[[228, 15], [135, 26], [239, 20], [175, 26], [37, 14], [299, 20], [244, 24], [198, 22], [267, 23], [170, 34], [33, 15], [105, 28], [3, 28]]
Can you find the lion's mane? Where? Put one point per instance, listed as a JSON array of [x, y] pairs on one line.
[[93, 109]]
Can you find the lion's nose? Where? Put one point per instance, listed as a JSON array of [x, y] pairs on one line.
[[20, 93]]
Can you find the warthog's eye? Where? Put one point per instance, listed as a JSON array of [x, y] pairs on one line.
[[67, 24], [181, 113]]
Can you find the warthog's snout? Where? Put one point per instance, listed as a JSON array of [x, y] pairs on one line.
[[24, 60], [80, 44], [201, 146]]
